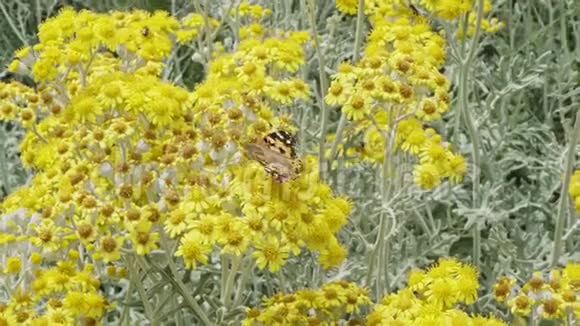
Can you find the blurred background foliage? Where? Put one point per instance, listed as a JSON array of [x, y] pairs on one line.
[[524, 92]]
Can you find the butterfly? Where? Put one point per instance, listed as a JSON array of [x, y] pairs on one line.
[[277, 153]]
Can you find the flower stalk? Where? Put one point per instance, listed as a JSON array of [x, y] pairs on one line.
[[471, 128], [564, 199], [137, 282], [322, 164], [4, 163]]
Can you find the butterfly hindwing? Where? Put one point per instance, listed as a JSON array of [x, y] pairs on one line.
[[276, 152]]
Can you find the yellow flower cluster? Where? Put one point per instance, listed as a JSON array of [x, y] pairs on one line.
[[337, 301], [254, 12], [574, 190], [58, 295], [71, 42], [553, 296], [397, 88], [431, 298], [127, 162], [450, 10], [234, 105]]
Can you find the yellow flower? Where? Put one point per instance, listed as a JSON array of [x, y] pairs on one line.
[[536, 283], [551, 308], [467, 283], [521, 304], [433, 152], [357, 107], [280, 91], [44, 70], [332, 256], [21, 299], [249, 70], [206, 226], [13, 265], [252, 316], [348, 7], [317, 235], [338, 93], [176, 223], [427, 176], [47, 236], [502, 288], [270, 252], [193, 248], [457, 167], [109, 248], [36, 258], [85, 231], [428, 111], [442, 292], [59, 316], [142, 238], [571, 273], [233, 237], [8, 317], [414, 141], [452, 9], [332, 296]]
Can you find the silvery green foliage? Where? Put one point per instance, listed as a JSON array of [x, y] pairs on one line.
[[12, 173]]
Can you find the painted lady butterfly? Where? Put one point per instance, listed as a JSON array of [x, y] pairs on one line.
[[277, 153]]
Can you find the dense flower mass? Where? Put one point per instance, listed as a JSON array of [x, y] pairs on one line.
[[58, 295], [449, 10], [552, 295], [334, 302], [129, 163], [395, 91], [433, 297]]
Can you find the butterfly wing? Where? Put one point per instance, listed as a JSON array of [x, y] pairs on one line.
[[282, 142], [275, 164], [256, 152], [277, 155]]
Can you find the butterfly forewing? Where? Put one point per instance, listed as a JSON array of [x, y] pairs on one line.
[[282, 142]]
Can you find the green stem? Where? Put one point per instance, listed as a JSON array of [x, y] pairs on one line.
[[227, 298], [386, 192], [322, 165], [246, 273], [224, 262], [208, 38], [125, 311], [184, 291], [379, 287], [207, 32], [561, 217], [380, 249], [358, 31], [138, 283], [564, 28], [224, 17], [473, 132], [10, 21], [4, 162], [371, 265]]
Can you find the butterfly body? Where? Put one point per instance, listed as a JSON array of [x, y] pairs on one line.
[[277, 153]]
